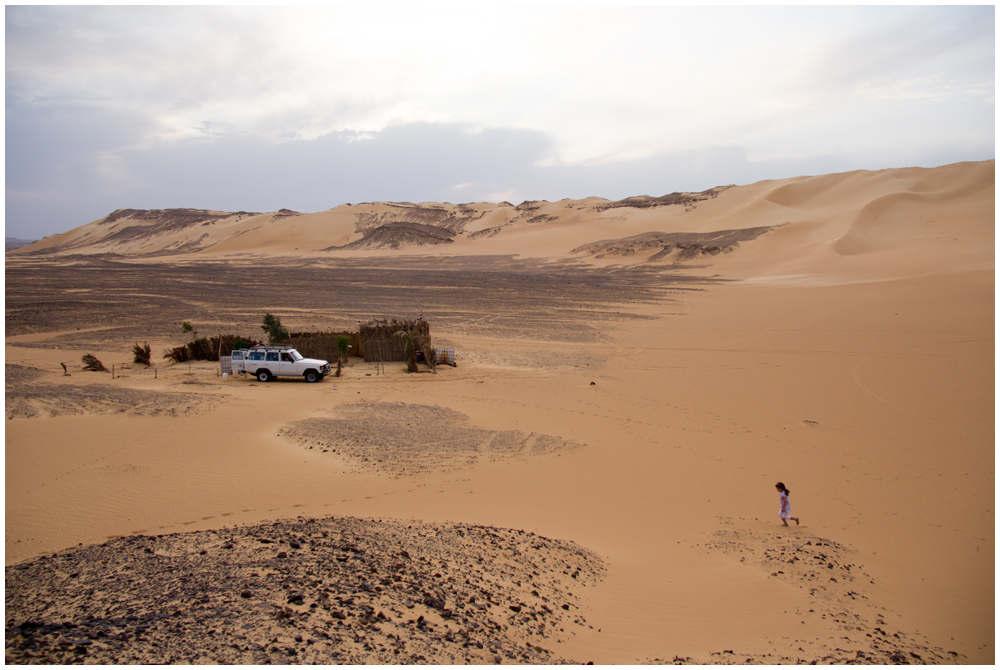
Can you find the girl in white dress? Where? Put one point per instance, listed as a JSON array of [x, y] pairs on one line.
[[785, 513]]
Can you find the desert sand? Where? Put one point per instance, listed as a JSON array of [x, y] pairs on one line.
[[594, 480]]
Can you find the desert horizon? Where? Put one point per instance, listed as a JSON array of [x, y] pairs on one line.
[[594, 481]]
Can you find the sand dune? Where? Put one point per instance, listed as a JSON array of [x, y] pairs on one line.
[[623, 404], [855, 214]]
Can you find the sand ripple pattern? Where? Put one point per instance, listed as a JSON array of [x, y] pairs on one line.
[[333, 590], [406, 439], [27, 397]]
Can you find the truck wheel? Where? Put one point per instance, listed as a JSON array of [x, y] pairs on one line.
[[263, 375], [312, 376]]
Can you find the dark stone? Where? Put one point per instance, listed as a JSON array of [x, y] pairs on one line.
[[434, 602]]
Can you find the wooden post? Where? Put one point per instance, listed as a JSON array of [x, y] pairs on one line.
[[112, 370]]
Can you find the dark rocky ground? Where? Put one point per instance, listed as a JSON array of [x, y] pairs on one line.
[[660, 246], [334, 590], [97, 301]]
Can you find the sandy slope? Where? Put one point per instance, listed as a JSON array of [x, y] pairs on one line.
[[851, 357]]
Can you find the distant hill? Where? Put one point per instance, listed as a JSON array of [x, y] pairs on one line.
[[792, 225], [16, 243], [378, 228]]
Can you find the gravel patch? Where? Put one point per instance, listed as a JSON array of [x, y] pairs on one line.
[[406, 439], [333, 590]]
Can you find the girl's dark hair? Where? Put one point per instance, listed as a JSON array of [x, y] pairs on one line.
[[787, 492]]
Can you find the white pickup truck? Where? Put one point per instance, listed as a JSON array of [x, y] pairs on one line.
[[266, 363]]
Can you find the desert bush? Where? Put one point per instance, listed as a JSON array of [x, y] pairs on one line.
[[177, 354], [201, 349], [327, 346], [208, 348], [142, 354], [91, 363]]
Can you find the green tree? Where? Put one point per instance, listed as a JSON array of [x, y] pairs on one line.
[[343, 344], [272, 326]]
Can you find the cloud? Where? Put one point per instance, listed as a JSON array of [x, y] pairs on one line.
[[307, 107], [419, 161], [413, 162]]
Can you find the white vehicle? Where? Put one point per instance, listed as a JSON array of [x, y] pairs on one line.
[[265, 363]]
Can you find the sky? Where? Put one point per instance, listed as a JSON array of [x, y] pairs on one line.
[[261, 108]]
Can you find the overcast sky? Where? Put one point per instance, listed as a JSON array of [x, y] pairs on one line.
[[252, 108]]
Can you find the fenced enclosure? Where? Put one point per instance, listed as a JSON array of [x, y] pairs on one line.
[[381, 344], [324, 345]]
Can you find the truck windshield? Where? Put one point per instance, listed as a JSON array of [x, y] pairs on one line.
[[296, 356]]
